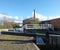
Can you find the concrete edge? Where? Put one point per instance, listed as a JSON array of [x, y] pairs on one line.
[[36, 46], [0, 32]]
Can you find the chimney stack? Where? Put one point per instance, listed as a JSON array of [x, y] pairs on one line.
[[34, 13]]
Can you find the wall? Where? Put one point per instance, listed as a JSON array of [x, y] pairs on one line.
[[55, 22]]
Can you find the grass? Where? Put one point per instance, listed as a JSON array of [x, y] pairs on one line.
[[13, 37]]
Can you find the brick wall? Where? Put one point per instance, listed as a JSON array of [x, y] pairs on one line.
[[55, 22]]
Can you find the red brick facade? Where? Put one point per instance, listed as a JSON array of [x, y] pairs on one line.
[[55, 22]]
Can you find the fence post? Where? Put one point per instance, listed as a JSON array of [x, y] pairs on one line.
[[56, 42], [47, 40], [52, 42]]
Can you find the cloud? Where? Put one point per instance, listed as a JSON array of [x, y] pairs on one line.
[[18, 21], [4, 16], [15, 18], [43, 18], [54, 17]]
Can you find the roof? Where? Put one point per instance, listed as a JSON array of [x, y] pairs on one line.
[[48, 21]]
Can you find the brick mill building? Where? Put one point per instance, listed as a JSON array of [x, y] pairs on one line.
[[55, 22]]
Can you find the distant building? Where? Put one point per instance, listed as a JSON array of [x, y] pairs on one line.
[[55, 22], [32, 20], [31, 24], [46, 25]]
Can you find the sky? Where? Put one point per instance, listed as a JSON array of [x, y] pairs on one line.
[[22, 9]]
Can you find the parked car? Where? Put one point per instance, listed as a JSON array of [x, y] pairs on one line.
[[18, 29]]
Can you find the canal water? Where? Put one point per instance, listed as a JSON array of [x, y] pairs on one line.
[[39, 40], [51, 46]]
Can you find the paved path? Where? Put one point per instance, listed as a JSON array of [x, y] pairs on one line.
[[23, 44]]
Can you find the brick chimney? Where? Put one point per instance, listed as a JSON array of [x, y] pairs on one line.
[[34, 13]]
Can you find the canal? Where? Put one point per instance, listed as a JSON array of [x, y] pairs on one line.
[[54, 43]]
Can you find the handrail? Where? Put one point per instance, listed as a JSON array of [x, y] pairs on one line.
[[54, 34]]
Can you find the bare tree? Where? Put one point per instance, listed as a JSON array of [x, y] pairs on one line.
[[5, 21]]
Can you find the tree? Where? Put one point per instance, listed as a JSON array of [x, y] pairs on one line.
[[1, 26]]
